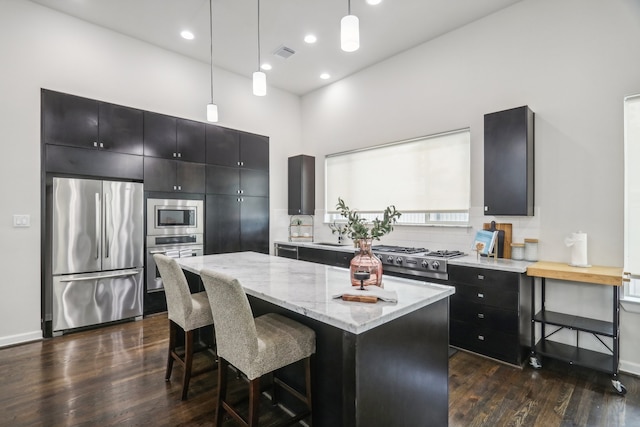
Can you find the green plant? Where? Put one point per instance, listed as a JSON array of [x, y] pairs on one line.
[[358, 227]]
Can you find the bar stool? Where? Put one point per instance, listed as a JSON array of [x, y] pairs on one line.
[[185, 310], [254, 346]]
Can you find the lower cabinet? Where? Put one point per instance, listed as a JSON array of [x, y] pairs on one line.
[[490, 313], [235, 223], [322, 256]]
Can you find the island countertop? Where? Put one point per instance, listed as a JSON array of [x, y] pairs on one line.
[[308, 288]]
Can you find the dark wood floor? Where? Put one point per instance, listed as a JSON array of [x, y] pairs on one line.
[[115, 376]]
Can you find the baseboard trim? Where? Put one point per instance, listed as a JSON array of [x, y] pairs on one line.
[[630, 368], [20, 338]]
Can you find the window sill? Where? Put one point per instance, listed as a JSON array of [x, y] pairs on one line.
[[630, 304]]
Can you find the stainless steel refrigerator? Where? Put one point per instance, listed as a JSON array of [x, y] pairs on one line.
[[97, 236]]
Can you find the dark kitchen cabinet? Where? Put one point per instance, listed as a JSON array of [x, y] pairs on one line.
[[227, 147], [324, 256], [489, 313], [237, 181], [235, 223], [509, 162], [302, 185], [65, 160], [173, 138], [173, 176], [80, 122]]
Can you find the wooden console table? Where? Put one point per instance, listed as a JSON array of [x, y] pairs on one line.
[[605, 362]]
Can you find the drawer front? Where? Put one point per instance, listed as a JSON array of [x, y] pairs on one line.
[[287, 251], [491, 318], [499, 345], [502, 280], [489, 295]]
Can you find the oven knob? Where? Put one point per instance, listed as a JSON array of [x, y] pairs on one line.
[[435, 265], [390, 259], [425, 264], [398, 260]]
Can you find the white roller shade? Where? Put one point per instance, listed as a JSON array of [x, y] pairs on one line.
[[428, 174], [632, 184]]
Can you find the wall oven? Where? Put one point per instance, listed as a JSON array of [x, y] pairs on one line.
[[179, 246], [174, 217], [175, 228]]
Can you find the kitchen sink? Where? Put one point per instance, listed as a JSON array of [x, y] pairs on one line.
[[329, 244]]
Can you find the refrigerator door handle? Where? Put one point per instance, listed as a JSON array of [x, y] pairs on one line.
[[98, 225], [107, 224], [110, 275]]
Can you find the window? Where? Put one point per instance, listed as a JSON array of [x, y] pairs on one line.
[[632, 194], [427, 179]]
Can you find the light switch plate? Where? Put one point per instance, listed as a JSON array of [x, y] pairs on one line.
[[22, 220]]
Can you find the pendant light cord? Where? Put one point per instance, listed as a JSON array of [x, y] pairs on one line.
[[211, 43], [348, 7], [258, 35]]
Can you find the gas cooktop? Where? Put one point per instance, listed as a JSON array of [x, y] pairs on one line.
[[416, 261]]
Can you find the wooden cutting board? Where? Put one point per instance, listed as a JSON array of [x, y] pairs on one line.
[[508, 229]]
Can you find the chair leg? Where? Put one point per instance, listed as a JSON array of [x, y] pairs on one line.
[[172, 348], [254, 402], [223, 365], [188, 361], [307, 377]]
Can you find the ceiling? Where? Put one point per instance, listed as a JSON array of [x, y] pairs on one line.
[[386, 29]]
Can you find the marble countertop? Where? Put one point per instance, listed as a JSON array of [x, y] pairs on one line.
[[503, 264], [470, 260], [307, 288]]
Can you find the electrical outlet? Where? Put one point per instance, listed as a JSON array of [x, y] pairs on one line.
[[22, 220]]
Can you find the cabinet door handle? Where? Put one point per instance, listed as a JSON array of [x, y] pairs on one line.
[[175, 187], [241, 163], [480, 316], [480, 295], [179, 154], [480, 277], [481, 337], [238, 163], [101, 145], [95, 143], [179, 187], [174, 154], [241, 191]]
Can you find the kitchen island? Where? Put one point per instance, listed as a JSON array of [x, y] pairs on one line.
[[376, 364]]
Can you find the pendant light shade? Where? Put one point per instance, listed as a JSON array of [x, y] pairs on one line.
[[212, 112], [212, 109], [259, 83], [350, 33], [259, 78]]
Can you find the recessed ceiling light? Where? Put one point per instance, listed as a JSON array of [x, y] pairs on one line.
[[266, 66], [374, 2], [310, 38], [325, 76], [186, 34]]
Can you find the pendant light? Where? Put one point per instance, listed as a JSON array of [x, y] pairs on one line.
[[350, 31], [212, 109], [259, 78]]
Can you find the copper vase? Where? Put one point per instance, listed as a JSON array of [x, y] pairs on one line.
[[366, 261]]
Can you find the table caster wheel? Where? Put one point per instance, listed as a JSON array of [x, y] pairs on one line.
[[621, 389], [535, 362]]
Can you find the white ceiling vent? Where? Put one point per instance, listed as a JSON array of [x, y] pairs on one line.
[[283, 52]]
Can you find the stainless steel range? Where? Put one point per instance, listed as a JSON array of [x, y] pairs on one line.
[[415, 261]]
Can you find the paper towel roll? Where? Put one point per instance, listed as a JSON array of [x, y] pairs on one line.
[[578, 243]]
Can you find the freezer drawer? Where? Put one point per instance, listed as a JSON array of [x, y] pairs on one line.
[[89, 299]]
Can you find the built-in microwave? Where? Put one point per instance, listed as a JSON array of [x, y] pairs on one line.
[[174, 216]]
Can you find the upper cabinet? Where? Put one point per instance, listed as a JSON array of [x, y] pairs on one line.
[[509, 162], [302, 183], [173, 138], [80, 122], [228, 147]]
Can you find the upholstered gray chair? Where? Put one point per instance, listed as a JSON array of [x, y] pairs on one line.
[[254, 346], [185, 310]]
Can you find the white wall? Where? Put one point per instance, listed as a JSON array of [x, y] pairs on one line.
[[572, 62], [40, 48]]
